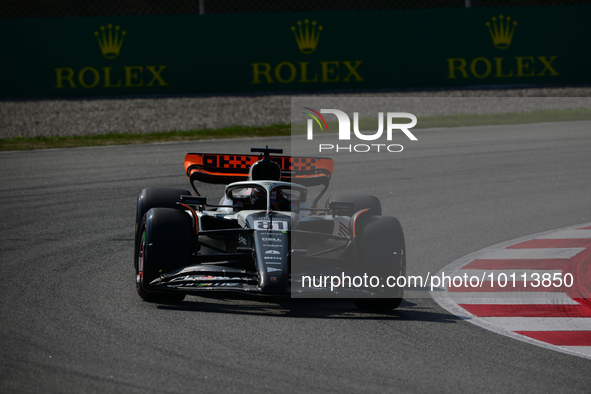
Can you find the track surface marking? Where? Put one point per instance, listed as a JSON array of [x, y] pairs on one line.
[[515, 300]]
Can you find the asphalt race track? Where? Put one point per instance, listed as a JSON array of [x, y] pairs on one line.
[[71, 321]]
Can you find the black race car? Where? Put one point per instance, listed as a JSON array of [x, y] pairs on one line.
[[264, 237]]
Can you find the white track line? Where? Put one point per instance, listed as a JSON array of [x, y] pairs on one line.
[[584, 350], [541, 323], [568, 234], [512, 298], [548, 253]]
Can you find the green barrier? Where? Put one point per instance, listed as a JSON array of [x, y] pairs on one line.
[[183, 54]]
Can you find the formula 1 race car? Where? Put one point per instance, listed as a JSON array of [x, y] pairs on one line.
[[264, 237]]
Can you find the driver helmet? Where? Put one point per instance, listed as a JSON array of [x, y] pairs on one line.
[[280, 201], [258, 198]]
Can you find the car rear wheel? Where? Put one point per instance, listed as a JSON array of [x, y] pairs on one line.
[[381, 252], [166, 243]]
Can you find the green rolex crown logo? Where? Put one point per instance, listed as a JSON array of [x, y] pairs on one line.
[[110, 42], [307, 37], [501, 31]]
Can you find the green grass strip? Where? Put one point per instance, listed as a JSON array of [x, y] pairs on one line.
[[20, 143]]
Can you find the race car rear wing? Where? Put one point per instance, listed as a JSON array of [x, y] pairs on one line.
[[225, 168]]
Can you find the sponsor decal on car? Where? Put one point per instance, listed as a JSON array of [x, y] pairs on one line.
[[201, 278], [272, 252], [279, 225], [343, 230], [205, 285]]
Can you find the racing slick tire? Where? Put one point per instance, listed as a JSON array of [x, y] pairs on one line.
[[381, 250], [154, 197], [166, 243], [361, 201]]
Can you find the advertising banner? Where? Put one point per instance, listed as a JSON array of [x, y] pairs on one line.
[[287, 52]]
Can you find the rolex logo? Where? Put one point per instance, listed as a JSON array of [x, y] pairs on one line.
[[307, 37], [110, 42], [501, 31]]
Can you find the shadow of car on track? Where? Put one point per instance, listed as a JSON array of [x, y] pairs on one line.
[[311, 308]]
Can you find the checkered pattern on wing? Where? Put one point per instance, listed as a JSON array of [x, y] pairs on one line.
[[304, 164], [287, 164], [241, 162]]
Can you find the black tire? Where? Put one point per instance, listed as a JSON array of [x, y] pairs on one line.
[[361, 201], [381, 252], [154, 197], [166, 243]]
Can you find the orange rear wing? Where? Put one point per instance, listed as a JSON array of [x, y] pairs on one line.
[[225, 168]]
